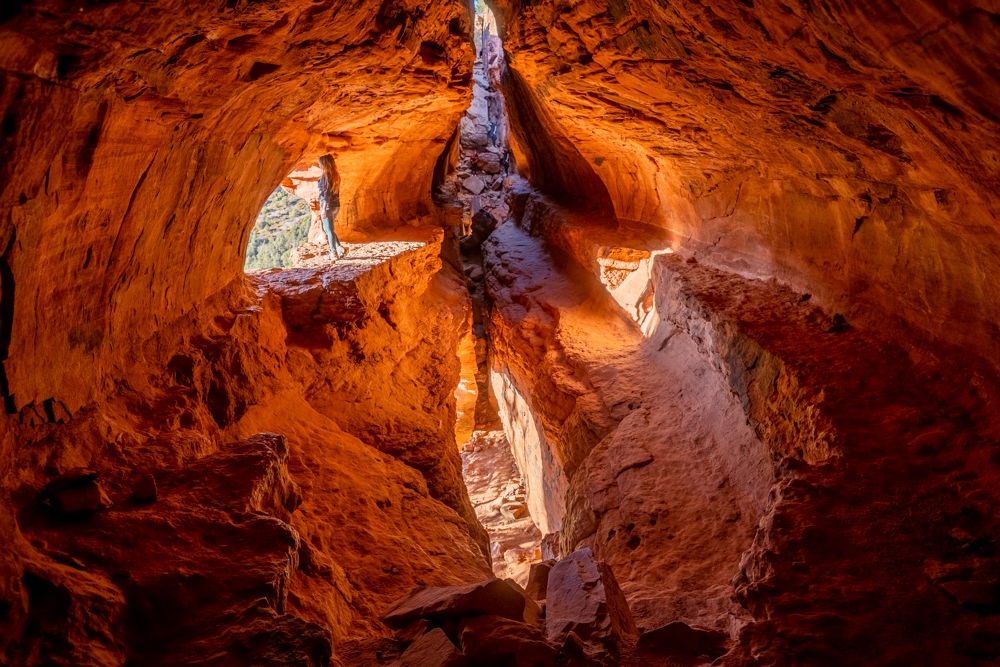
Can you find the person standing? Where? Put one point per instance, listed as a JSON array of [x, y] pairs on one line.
[[505, 161], [329, 204]]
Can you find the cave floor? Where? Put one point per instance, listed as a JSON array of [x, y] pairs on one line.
[[674, 521]]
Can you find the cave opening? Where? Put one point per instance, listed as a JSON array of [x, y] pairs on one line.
[[289, 232], [281, 226]]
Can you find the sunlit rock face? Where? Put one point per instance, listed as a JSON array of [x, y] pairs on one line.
[[629, 443], [745, 462], [139, 135], [271, 549], [139, 141], [498, 493], [848, 148]]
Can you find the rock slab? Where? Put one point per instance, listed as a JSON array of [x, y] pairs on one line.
[[583, 598], [491, 641], [491, 597], [433, 649]]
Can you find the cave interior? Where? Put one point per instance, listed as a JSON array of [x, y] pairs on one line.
[[667, 334]]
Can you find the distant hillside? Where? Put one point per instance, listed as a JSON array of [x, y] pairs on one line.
[[283, 225]]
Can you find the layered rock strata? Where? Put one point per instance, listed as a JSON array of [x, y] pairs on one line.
[[263, 549], [717, 410], [138, 136], [849, 149]]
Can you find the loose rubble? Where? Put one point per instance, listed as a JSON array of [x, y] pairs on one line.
[[495, 623]]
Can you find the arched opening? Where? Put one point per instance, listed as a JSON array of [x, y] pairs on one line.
[[282, 226]]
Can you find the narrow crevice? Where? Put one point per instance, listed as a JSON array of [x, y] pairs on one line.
[[478, 171], [6, 322]]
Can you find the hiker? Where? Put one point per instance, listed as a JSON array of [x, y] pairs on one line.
[[505, 161], [329, 204], [492, 134], [474, 161]]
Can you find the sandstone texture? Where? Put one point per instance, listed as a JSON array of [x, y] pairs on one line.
[[128, 151], [433, 649], [849, 149], [716, 461], [666, 335], [642, 454], [584, 599], [265, 549], [498, 495]]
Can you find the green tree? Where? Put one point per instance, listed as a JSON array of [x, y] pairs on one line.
[[282, 225]]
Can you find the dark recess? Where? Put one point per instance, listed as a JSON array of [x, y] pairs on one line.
[[6, 322], [258, 69], [9, 126], [10, 8], [65, 62]]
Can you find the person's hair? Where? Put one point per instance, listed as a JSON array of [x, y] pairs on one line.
[[326, 162]]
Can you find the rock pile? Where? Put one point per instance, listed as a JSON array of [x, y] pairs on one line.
[[573, 614], [580, 619], [498, 496]]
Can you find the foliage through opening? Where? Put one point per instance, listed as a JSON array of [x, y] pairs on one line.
[[282, 225]]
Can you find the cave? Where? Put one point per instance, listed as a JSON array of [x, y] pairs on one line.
[[665, 333]]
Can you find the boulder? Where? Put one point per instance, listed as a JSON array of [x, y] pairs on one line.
[[490, 163], [489, 597], [433, 649], [491, 641], [474, 184], [475, 273], [680, 639], [473, 136], [538, 580], [532, 612], [483, 224], [414, 631], [76, 492], [583, 597]]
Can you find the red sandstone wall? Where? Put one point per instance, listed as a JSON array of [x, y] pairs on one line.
[[138, 136], [848, 148]]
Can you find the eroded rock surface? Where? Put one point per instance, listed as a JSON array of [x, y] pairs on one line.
[[131, 151], [499, 498], [847, 148], [759, 406], [746, 366], [271, 553], [209, 564], [641, 454], [584, 599]]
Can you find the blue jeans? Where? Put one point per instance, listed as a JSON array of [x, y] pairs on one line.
[[329, 216]]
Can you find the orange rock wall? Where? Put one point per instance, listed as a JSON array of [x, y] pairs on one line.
[[331, 532], [817, 492], [137, 136], [849, 149]]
